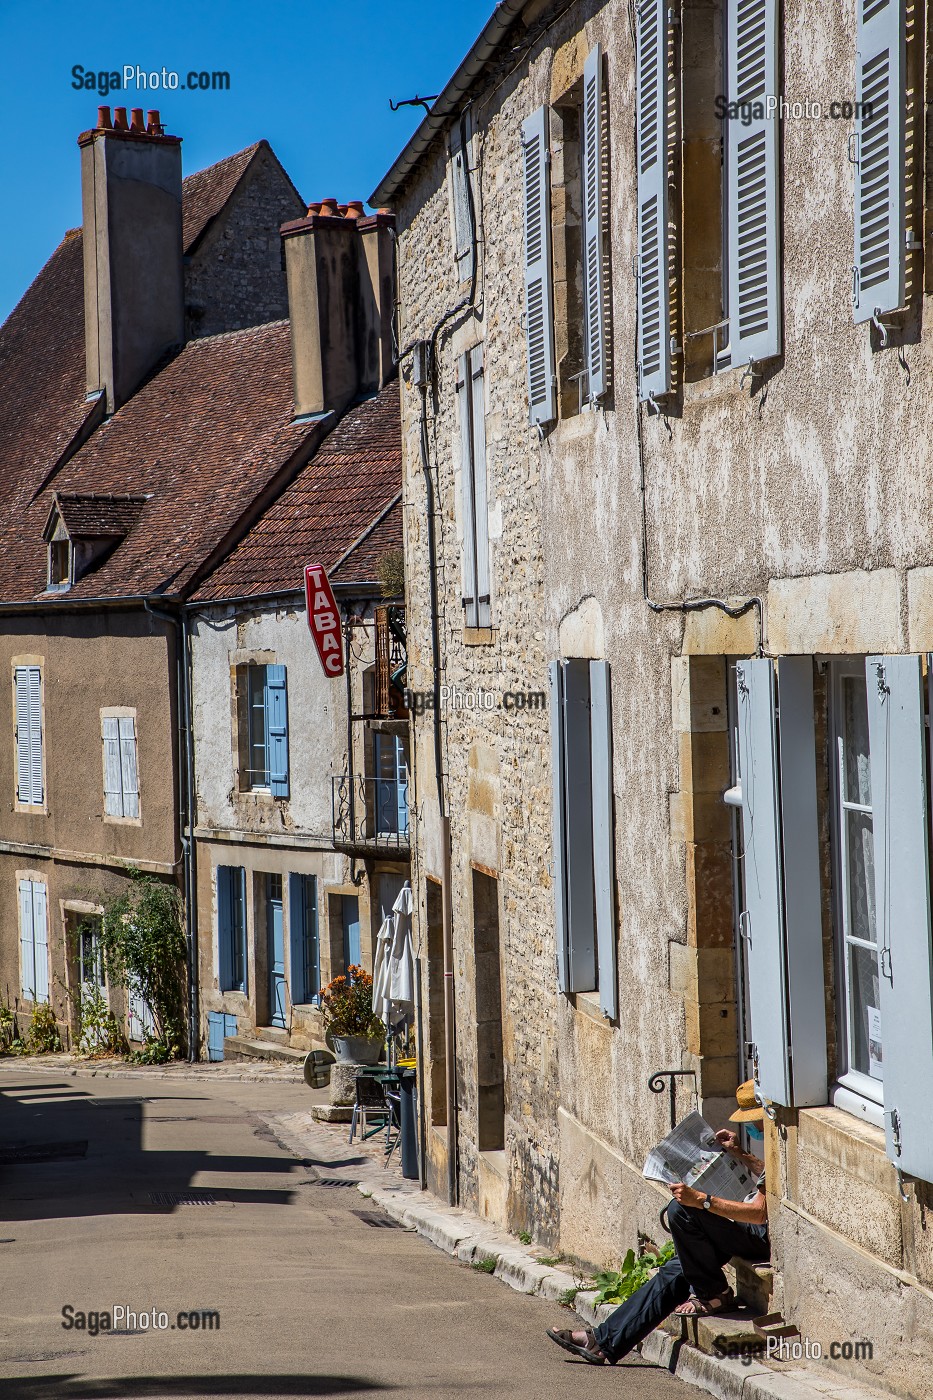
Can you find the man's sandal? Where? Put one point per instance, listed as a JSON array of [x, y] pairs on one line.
[[706, 1307], [563, 1336]]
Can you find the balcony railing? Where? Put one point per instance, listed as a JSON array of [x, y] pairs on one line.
[[370, 815]]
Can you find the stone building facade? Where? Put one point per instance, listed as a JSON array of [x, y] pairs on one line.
[[788, 480]]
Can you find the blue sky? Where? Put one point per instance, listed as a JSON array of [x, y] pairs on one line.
[[313, 78]]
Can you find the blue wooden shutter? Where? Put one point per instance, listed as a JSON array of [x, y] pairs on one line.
[[277, 729], [297, 918], [558, 822], [593, 164], [653, 291], [539, 300], [603, 836], [28, 687], [752, 161], [880, 82], [225, 929], [215, 1035], [465, 404], [896, 731]]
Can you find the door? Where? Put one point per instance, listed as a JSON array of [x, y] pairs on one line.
[[275, 924], [91, 982], [352, 950], [142, 1025], [391, 785]]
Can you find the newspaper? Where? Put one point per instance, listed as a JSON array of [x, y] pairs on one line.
[[691, 1154]]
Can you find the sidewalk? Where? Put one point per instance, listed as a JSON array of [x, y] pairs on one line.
[[472, 1241], [238, 1071]]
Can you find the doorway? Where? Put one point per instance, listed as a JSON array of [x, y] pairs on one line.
[[275, 925]]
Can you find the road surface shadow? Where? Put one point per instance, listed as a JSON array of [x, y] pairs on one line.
[[261, 1386]]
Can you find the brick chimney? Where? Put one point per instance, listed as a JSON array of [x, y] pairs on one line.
[[133, 271], [340, 298]]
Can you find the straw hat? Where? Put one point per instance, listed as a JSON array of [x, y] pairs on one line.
[[749, 1111]]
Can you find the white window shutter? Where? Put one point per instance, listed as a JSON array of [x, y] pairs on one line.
[[27, 942], [593, 224], [653, 291], [113, 780], [539, 300], [559, 828], [128, 766], [752, 160], [28, 685], [40, 924], [880, 81], [902, 903], [603, 836], [480, 490], [465, 404]]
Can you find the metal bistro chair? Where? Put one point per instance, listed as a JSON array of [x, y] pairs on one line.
[[394, 1103], [370, 1104]]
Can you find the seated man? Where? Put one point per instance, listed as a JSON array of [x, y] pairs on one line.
[[707, 1231]]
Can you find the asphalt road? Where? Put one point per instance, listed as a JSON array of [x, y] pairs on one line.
[[311, 1300]]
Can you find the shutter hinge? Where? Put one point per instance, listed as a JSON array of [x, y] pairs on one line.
[[896, 1131], [883, 687]]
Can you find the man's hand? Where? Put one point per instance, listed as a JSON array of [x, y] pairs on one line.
[[687, 1196], [729, 1142]]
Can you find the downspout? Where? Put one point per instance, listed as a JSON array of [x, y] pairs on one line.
[[186, 810]]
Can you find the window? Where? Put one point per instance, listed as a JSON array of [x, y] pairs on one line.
[[90, 955], [391, 765], [583, 837], [27, 685], [263, 729], [860, 1049], [60, 564], [303, 931], [476, 573], [34, 940], [121, 774], [231, 927]]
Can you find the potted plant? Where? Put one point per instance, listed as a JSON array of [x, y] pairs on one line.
[[351, 1027]]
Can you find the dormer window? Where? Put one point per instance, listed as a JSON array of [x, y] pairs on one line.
[[82, 532], [60, 557]]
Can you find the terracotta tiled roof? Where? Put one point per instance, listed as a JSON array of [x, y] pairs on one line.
[[361, 563], [202, 439], [206, 192], [330, 507], [98, 517]]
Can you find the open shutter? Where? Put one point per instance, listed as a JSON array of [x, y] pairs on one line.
[[297, 916], [113, 774], [880, 83], [603, 836], [460, 176], [40, 926], [28, 686], [480, 492], [465, 405], [752, 183], [27, 943], [128, 767], [558, 825], [277, 729], [653, 292], [539, 312], [578, 799], [225, 930], [593, 221], [896, 732]]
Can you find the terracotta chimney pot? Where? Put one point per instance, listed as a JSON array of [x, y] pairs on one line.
[[103, 119], [355, 209], [119, 119], [154, 122], [329, 208], [136, 120]]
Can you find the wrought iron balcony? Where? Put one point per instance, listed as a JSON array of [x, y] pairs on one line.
[[370, 816]]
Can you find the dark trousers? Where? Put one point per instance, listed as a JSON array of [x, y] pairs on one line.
[[704, 1242]]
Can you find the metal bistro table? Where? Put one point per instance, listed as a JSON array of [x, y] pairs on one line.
[[406, 1076]]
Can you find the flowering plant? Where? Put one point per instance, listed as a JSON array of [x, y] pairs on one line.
[[347, 1005]]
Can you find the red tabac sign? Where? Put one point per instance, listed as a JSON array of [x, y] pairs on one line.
[[324, 619]]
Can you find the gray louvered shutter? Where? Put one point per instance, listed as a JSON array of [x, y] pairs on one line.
[[878, 275], [539, 308], [113, 777], [593, 223], [480, 488], [27, 941], [465, 404], [128, 766], [902, 903], [28, 687], [603, 836], [40, 925], [558, 812], [752, 182], [654, 318], [460, 176]]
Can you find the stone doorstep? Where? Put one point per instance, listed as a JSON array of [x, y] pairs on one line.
[[242, 1047], [471, 1240]]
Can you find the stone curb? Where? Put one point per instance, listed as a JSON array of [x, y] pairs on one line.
[[467, 1238], [282, 1074]]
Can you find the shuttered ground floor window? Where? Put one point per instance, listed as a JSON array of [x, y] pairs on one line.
[[34, 940]]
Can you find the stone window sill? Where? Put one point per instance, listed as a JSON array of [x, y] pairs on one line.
[[479, 636], [587, 1004]]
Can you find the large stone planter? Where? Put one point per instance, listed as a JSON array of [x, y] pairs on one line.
[[357, 1049]]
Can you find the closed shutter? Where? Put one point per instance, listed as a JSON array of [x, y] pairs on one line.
[[782, 919], [593, 220], [539, 312], [28, 685], [277, 730], [27, 943], [897, 742], [225, 930], [653, 291], [480, 491], [113, 774], [558, 823], [465, 405], [880, 82], [460, 176], [752, 183], [40, 926], [297, 916], [603, 836], [128, 766]]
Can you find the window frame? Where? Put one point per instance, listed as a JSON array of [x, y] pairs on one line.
[[853, 1090], [253, 670]]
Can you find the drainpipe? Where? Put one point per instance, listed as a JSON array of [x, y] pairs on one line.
[[186, 810]]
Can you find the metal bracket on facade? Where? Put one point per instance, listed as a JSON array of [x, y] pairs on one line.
[[656, 1085], [880, 326]]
